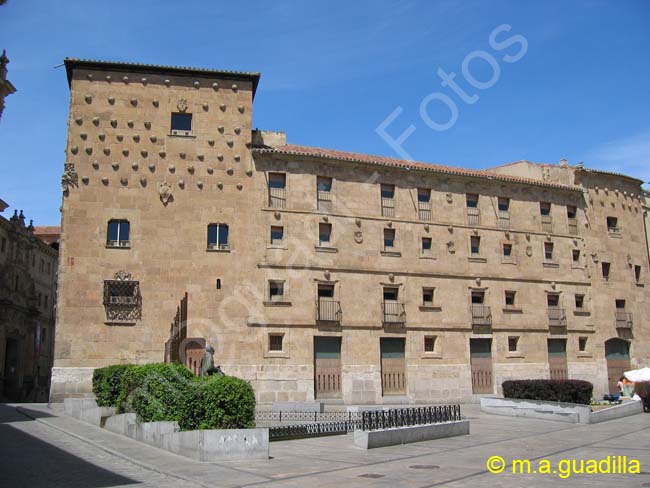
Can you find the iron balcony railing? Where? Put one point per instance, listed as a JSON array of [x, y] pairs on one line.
[[277, 198], [324, 200], [556, 317], [481, 314], [473, 216], [393, 312], [424, 211], [213, 246], [547, 223], [388, 207], [623, 320], [504, 219], [573, 226], [118, 243], [328, 310]]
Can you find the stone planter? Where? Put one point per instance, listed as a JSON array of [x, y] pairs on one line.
[[86, 410], [406, 435], [558, 411]]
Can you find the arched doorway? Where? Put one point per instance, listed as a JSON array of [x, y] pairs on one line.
[[617, 354]]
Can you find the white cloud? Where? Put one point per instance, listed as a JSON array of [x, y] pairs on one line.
[[628, 155]]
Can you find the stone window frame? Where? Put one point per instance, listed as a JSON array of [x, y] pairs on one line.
[[638, 277], [270, 302], [480, 256], [119, 244], [330, 195], [512, 259], [518, 352], [584, 311], [390, 251], [329, 246], [436, 353], [216, 247], [181, 132], [283, 244], [422, 254], [281, 194], [514, 308], [284, 353], [433, 307], [553, 261]]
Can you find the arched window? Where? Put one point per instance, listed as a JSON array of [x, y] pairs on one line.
[[218, 237], [118, 233]]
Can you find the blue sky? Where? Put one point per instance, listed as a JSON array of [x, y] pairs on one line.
[[333, 71]]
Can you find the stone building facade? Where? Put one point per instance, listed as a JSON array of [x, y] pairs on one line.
[[27, 299], [325, 274], [6, 87]]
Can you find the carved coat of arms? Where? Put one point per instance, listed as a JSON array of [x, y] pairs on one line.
[[182, 105], [165, 192], [70, 178]]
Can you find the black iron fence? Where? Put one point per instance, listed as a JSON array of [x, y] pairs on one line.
[[316, 424], [402, 417]]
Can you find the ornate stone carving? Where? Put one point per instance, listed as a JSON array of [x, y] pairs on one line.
[[358, 237], [181, 105], [165, 192], [450, 198], [451, 247], [529, 251], [70, 178]]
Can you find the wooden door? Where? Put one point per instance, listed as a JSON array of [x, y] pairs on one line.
[[480, 352], [327, 367], [557, 363], [617, 354], [393, 366]]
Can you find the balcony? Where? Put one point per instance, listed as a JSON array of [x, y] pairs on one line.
[[328, 310], [556, 317], [481, 315], [424, 211], [573, 226], [324, 201], [504, 219], [277, 198], [473, 216], [547, 224], [393, 313], [388, 207], [623, 320]]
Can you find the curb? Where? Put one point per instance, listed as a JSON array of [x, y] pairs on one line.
[[141, 464]]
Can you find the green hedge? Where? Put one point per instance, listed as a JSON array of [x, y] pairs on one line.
[[568, 391], [170, 391], [107, 382]]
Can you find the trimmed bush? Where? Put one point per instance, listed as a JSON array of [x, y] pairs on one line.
[[155, 392], [171, 392], [219, 402], [567, 391], [107, 382]]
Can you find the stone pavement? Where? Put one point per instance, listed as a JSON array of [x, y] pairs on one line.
[[54, 450]]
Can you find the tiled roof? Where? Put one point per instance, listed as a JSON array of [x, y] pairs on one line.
[[316, 152], [71, 63], [47, 230]]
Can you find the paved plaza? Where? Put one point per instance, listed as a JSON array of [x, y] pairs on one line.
[[42, 448]]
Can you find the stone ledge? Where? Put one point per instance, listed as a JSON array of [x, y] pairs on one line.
[[558, 411], [406, 435]]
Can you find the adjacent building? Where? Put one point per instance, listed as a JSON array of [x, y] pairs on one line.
[[6, 88], [27, 299], [325, 274]]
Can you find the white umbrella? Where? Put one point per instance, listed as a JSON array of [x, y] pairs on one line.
[[636, 375]]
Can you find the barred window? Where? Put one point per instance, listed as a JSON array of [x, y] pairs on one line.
[[122, 300]]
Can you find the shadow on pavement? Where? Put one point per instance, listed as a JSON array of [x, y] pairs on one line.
[[27, 461]]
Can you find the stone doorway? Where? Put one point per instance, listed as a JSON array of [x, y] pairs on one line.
[[480, 352], [393, 366], [327, 367], [617, 354], [557, 363]]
